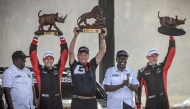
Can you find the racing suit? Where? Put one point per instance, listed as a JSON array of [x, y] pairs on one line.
[[154, 79], [84, 84], [49, 80]]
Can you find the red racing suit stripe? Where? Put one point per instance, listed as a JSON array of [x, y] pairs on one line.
[[35, 66], [64, 56]]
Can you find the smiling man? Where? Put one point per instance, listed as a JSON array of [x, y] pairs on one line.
[[83, 73], [18, 84], [49, 75], [154, 78], [120, 82]]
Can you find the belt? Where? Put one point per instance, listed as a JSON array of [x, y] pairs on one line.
[[83, 97]]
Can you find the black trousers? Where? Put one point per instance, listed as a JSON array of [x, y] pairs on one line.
[[158, 103], [126, 106], [83, 103]]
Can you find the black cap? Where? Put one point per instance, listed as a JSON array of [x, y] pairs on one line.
[[83, 49], [122, 53], [19, 54]]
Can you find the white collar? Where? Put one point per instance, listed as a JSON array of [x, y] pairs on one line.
[[15, 67]]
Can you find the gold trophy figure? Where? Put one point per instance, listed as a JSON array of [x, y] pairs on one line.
[[128, 75], [97, 26]]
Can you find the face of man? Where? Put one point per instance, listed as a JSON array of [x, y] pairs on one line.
[[20, 63], [153, 59], [121, 61], [48, 61], [83, 58]]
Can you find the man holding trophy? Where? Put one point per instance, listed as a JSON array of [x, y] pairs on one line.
[[49, 76], [154, 78], [83, 73]]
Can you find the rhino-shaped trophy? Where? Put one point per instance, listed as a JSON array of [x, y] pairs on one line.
[[170, 26], [97, 26], [49, 19]]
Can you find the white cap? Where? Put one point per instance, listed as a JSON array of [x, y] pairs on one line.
[[152, 51], [48, 53]]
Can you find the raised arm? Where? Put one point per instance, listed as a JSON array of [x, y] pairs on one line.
[[170, 54], [64, 55], [102, 50], [139, 91], [72, 46], [33, 55]]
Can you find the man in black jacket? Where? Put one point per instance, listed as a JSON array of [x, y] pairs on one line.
[[49, 76], [83, 73], [154, 78]]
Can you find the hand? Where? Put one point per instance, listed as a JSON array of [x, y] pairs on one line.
[[37, 35], [126, 82], [102, 35], [75, 31], [138, 106]]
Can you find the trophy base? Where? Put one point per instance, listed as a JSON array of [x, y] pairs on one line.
[[90, 30], [171, 31], [51, 32]]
